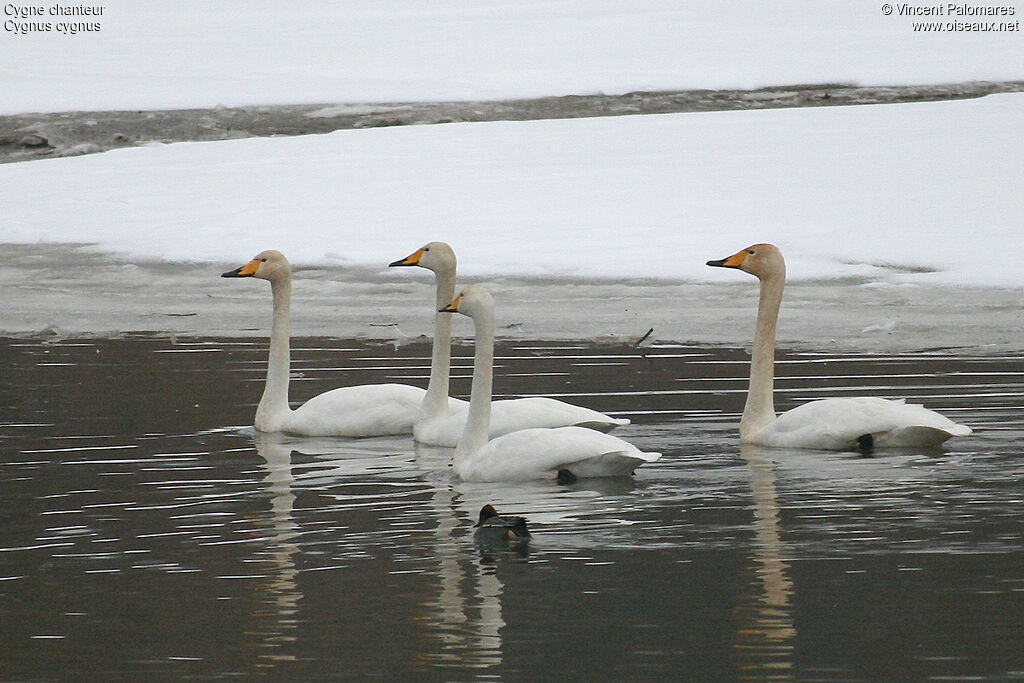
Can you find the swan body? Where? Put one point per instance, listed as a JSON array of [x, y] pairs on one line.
[[841, 424], [535, 453], [510, 415], [441, 419], [832, 423], [358, 411], [544, 453], [366, 410]]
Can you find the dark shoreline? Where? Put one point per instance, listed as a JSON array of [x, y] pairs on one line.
[[25, 137]]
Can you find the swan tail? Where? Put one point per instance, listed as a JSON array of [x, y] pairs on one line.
[[610, 464], [605, 425], [920, 435]]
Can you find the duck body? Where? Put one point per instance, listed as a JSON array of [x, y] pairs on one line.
[[356, 411], [537, 453], [442, 419], [504, 527], [857, 423]]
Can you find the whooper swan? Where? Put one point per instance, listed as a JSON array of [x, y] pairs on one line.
[[441, 419], [366, 410], [565, 453], [832, 423]]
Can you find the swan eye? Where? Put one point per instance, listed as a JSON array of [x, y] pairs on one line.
[[263, 260], [752, 252], [426, 248]]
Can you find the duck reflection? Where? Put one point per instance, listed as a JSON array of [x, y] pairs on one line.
[[764, 643]]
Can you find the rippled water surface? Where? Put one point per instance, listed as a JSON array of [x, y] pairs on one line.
[[147, 532]]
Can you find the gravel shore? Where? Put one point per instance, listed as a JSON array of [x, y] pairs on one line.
[[25, 137]]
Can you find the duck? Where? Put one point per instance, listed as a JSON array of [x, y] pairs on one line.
[[852, 423], [355, 411], [564, 454], [506, 527], [441, 419]]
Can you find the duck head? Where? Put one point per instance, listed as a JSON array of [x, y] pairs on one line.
[[486, 512]]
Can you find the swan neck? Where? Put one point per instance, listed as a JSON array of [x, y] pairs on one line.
[[760, 408], [436, 399], [478, 422], [275, 394]]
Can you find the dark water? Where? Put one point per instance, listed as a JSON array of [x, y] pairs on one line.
[[144, 534]]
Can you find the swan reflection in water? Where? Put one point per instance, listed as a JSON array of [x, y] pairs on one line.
[[465, 612], [468, 608], [278, 588], [764, 643], [278, 591]]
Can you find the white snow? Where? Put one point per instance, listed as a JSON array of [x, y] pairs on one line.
[[918, 193], [159, 54]]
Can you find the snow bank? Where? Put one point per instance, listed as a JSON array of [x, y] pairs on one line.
[[924, 192]]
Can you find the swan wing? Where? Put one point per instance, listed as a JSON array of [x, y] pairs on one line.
[[541, 453], [512, 415], [837, 423], [515, 414], [920, 436], [364, 410]]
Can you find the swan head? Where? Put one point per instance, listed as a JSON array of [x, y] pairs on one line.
[[266, 265], [760, 260], [435, 256], [474, 300]]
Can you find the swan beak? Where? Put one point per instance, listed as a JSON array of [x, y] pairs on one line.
[[453, 307], [248, 270], [412, 259], [734, 261]]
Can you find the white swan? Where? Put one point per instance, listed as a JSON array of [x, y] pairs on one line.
[[832, 423], [441, 419], [366, 410], [563, 452]]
